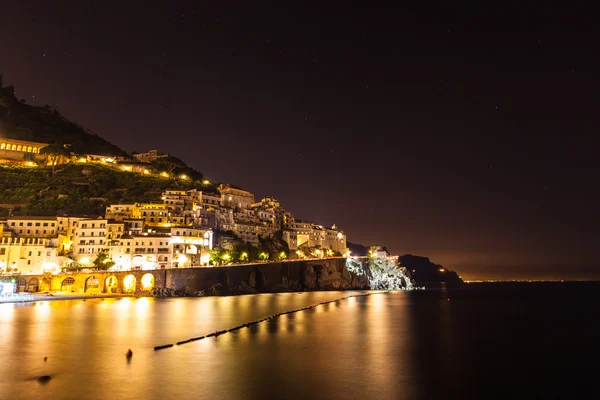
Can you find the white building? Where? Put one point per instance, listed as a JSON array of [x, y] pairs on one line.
[[33, 227], [28, 255], [89, 240]]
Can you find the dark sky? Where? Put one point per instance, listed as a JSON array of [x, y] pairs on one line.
[[465, 135]]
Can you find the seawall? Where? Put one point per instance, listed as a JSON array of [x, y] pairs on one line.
[[301, 275]]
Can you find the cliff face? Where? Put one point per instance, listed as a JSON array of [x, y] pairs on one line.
[[22, 121], [328, 274]]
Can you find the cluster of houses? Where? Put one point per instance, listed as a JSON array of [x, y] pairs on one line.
[[180, 230]]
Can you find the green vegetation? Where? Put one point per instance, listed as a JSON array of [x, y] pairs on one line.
[[268, 249], [103, 261], [80, 189]]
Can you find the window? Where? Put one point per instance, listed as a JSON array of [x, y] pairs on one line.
[[52, 224], [46, 224], [44, 231], [29, 254], [82, 242], [20, 224], [39, 253], [28, 231], [48, 253], [29, 224], [28, 262], [93, 226], [37, 224], [37, 231], [12, 224]]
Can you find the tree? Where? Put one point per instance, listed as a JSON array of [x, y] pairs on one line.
[[56, 153], [103, 261]]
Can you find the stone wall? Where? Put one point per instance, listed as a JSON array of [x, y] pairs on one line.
[[290, 276]]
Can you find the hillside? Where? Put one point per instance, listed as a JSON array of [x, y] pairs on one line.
[[80, 189], [22, 121]]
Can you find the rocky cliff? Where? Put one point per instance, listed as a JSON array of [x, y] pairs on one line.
[[313, 275]]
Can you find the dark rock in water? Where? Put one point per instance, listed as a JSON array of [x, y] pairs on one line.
[[129, 353], [45, 358], [44, 379], [424, 272]]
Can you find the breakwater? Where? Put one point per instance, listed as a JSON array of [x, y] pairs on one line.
[[276, 277], [249, 324]]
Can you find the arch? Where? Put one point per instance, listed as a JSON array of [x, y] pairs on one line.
[[147, 282], [129, 284], [21, 285], [92, 284], [191, 249], [19, 148], [111, 284], [33, 285], [68, 285]]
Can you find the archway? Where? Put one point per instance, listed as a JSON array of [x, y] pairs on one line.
[[33, 285], [21, 285], [111, 284], [92, 285], [147, 282], [68, 285], [129, 284]]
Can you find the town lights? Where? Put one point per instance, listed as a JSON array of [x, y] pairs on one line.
[[206, 182], [184, 177], [84, 260], [263, 256], [146, 172], [164, 174], [244, 256]]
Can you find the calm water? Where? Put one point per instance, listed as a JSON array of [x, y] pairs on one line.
[[488, 341]]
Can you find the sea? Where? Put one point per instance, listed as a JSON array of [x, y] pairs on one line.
[[530, 340]]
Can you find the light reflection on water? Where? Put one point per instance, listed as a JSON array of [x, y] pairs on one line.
[[482, 344], [86, 340]]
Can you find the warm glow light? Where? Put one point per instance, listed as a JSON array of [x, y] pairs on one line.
[[184, 177], [129, 283], [147, 282], [206, 182], [164, 174], [226, 256], [84, 260], [442, 270], [340, 235], [126, 167], [146, 172]]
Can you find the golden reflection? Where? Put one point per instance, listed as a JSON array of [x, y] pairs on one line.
[[124, 304], [42, 310], [7, 313], [142, 307]]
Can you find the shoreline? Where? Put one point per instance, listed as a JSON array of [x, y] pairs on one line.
[[32, 298]]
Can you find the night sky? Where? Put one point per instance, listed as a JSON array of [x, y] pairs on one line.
[[465, 135]]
